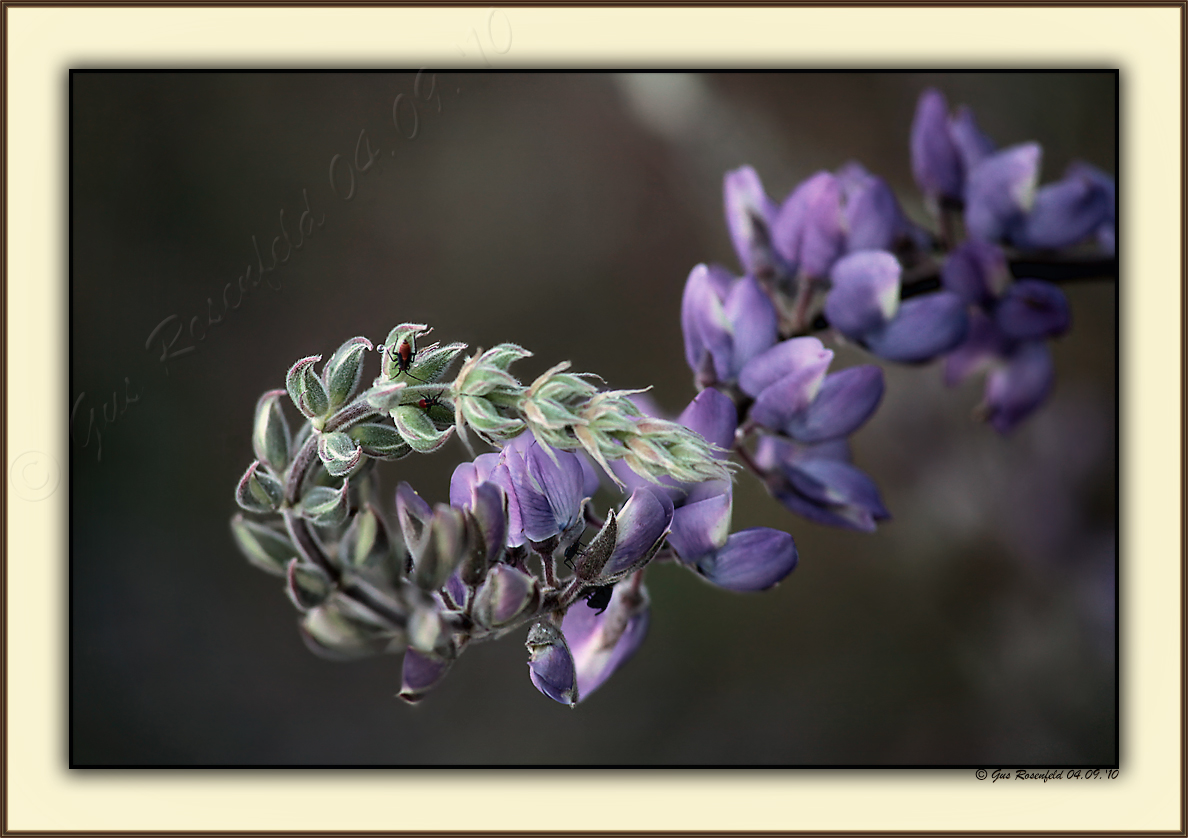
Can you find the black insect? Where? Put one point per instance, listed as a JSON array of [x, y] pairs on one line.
[[573, 551], [432, 401], [599, 598]]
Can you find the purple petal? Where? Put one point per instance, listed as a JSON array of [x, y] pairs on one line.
[[781, 360], [562, 480], [504, 594], [1017, 389], [601, 643], [924, 328], [874, 219], [836, 484], [713, 415], [754, 324], [808, 229], [704, 323], [645, 519], [977, 272], [983, 344], [1065, 213], [536, 515], [752, 560], [865, 292], [462, 483], [936, 163], [419, 674], [846, 400], [701, 527], [972, 145], [850, 518], [1032, 309], [749, 215], [488, 507], [1000, 190]]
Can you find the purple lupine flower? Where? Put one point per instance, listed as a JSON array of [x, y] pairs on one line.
[[794, 395], [1075, 208], [977, 272], [602, 642], [873, 218], [700, 536], [808, 231], [945, 149], [818, 482], [749, 217], [550, 487], [863, 304], [726, 322], [1017, 387], [420, 673], [1000, 191], [1009, 325]]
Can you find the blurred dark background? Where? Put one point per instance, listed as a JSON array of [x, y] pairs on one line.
[[562, 212]]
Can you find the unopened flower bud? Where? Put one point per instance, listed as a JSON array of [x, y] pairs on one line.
[[270, 432], [339, 452], [324, 506], [429, 635], [308, 585], [366, 542], [550, 663], [306, 388], [444, 548], [380, 441], [264, 547], [344, 369], [506, 594], [258, 491], [330, 633], [418, 429], [414, 515]]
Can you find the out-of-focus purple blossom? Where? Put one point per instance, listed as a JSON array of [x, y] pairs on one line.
[[793, 394], [1008, 329], [976, 271], [864, 305], [1032, 309], [1000, 191], [749, 217], [873, 218], [1019, 386], [936, 163], [550, 663], [602, 642], [808, 231], [1071, 210], [945, 149], [726, 322], [819, 483]]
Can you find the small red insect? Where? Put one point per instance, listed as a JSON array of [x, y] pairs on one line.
[[403, 356], [425, 404]]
